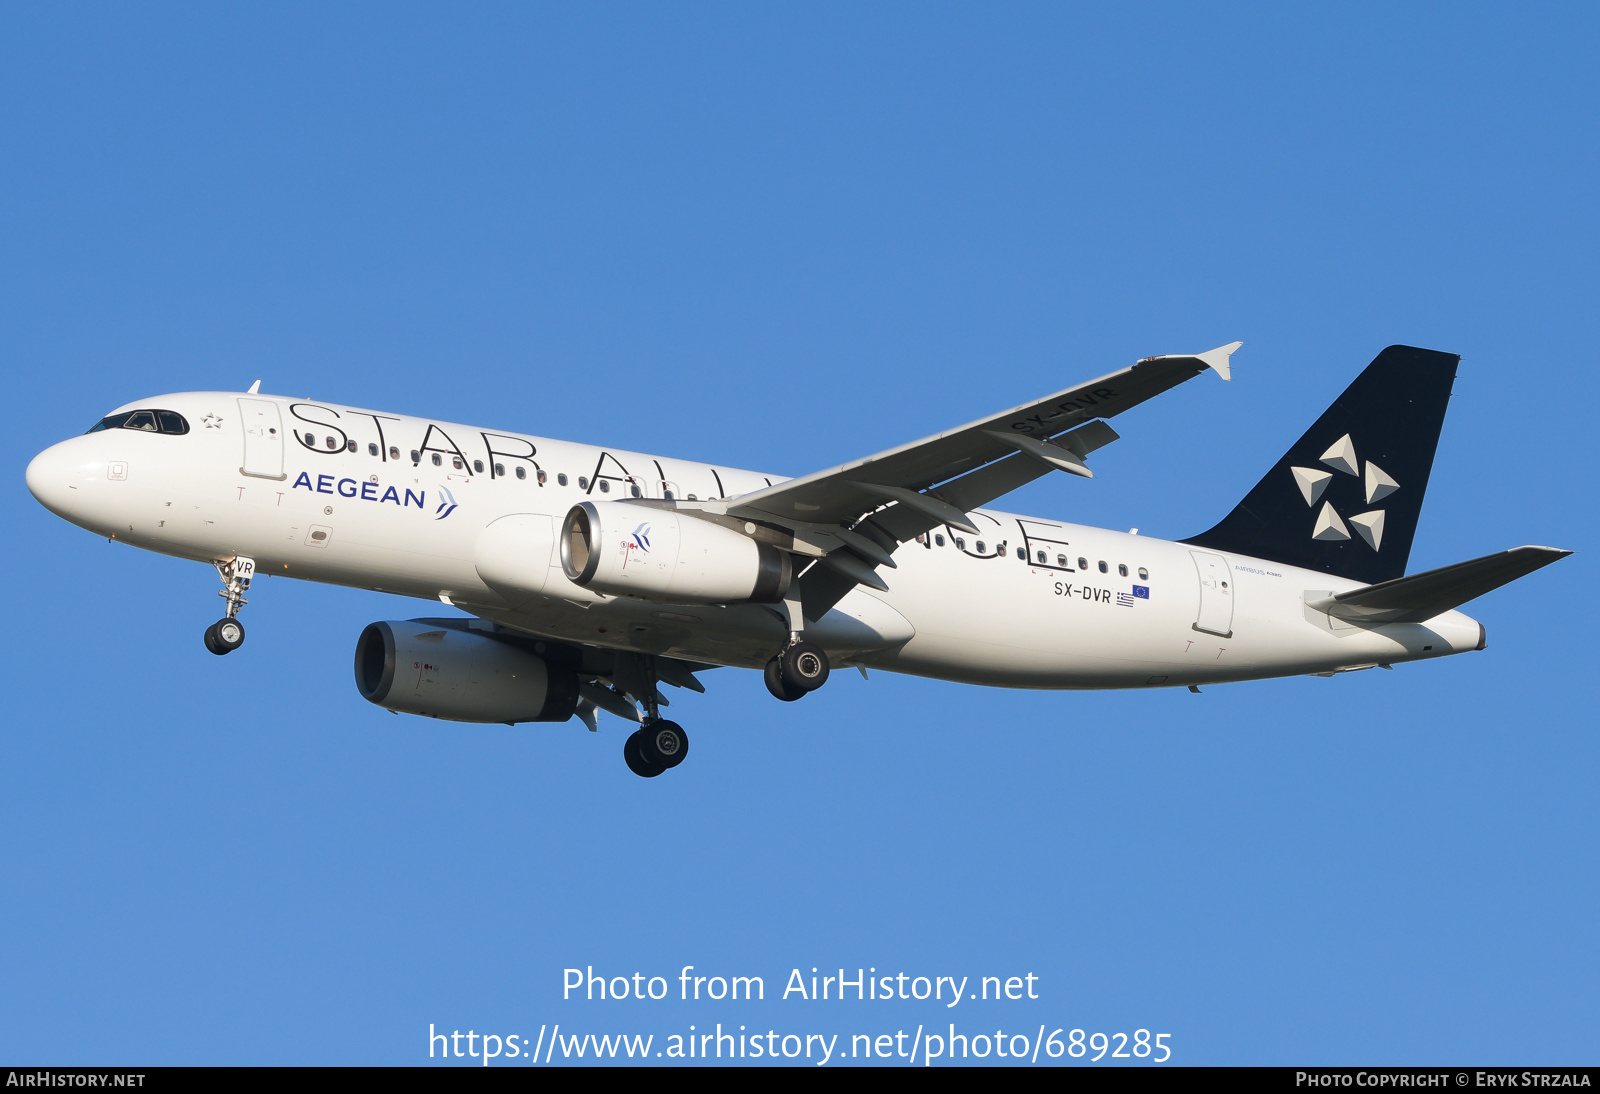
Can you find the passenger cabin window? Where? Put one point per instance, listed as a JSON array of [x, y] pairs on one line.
[[1042, 558], [961, 544], [667, 494], [1122, 569], [1083, 563], [522, 473], [938, 539], [605, 486], [583, 482], [1061, 560], [1022, 553], [981, 548], [561, 478], [146, 421], [634, 491], [333, 444], [372, 450], [394, 452], [350, 445], [1102, 565], [500, 469], [1144, 575], [438, 460], [455, 461], [416, 457], [477, 465]]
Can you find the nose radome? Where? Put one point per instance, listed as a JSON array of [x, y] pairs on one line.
[[51, 476]]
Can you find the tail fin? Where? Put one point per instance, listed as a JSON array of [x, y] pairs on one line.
[[1346, 498]]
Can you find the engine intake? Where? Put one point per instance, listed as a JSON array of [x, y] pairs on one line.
[[418, 667], [656, 554]]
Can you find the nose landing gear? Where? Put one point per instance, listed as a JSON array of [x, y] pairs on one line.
[[224, 636], [227, 633]]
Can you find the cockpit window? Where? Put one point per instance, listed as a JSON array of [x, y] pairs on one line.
[[111, 421], [150, 421]]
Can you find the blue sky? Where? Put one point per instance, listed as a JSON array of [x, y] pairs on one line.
[[781, 237]]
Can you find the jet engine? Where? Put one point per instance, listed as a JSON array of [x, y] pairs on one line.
[[657, 554], [418, 667]]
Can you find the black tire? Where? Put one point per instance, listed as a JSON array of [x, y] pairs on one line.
[[663, 744], [211, 641], [633, 756], [781, 688], [227, 635], [805, 666]]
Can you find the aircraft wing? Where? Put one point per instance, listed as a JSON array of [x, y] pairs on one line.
[[844, 493], [852, 517]]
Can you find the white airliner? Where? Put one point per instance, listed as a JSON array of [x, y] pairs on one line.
[[593, 575]]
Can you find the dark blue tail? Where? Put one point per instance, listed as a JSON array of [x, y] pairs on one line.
[[1346, 498]]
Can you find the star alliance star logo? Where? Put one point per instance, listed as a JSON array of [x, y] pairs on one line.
[[212, 421], [1312, 481]]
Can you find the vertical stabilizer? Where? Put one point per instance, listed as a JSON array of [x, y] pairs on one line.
[[1346, 498]]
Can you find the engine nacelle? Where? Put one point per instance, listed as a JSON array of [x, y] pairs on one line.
[[657, 554], [418, 668]]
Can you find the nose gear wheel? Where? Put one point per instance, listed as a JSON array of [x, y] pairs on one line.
[[227, 633]]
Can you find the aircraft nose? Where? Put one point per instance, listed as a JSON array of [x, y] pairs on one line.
[[52, 478]]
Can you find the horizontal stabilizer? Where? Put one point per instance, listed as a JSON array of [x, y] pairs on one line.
[[1420, 597]]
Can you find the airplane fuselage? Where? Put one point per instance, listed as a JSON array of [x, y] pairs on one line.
[[397, 504]]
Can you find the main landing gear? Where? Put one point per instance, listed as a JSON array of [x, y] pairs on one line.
[[658, 745], [654, 748], [227, 633], [799, 670]]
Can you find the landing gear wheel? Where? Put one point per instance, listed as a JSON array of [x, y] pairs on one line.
[[224, 636], [633, 756], [663, 744], [805, 666], [781, 688]]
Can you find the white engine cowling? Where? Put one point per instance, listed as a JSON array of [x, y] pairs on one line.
[[657, 554], [415, 667]]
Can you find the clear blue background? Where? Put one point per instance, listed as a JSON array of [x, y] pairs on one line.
[[778, 238]]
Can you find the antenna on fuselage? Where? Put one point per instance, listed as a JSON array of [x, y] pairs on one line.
[[255, 388]]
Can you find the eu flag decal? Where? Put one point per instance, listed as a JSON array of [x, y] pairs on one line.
[[1142, 592]]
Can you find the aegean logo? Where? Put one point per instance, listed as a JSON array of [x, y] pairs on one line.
[[638, 541], [447, 503], [1312, 481]]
